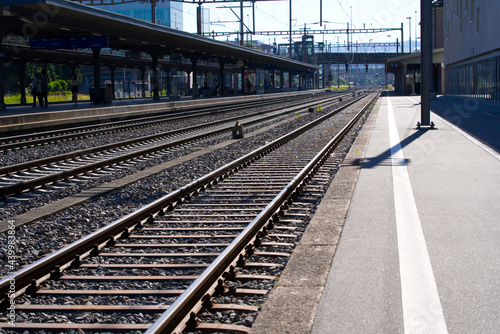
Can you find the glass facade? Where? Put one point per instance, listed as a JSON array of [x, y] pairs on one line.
[[479, 79], [168, 14]]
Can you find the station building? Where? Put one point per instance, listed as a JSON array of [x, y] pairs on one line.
[[406, 68], [472, 48], [168, 60]]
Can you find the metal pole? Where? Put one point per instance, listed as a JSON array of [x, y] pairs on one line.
[[352, 26], [253, 16], [402, 40], [409, 32], [290, 28], [338, 75], [321, 13], [426, 56], [241, 23], [347, 36], [198, 19], [416, 33], [153, 11]]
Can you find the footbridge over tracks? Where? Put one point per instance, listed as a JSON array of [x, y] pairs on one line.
[[355, 58]]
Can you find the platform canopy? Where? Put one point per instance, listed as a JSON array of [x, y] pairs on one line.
[[65, 19]]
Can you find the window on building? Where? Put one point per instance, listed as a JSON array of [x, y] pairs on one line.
[[461, 14], [472, 9], [477, 20]]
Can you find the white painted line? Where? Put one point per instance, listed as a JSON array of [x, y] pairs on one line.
[[422, 311], [465, 134], [413, 100]]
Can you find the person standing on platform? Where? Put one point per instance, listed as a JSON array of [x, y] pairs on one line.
[[44, 83], [35, 89], [74, 89]]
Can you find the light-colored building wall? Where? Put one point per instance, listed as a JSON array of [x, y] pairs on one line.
[[472, 48], [438, 27], [472, 29]]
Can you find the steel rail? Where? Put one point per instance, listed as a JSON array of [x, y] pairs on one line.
[[174, 319], [9, 143], [63, 157], [38, 271], [19, 187]]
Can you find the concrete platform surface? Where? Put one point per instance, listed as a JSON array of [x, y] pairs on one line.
[[416, 249]]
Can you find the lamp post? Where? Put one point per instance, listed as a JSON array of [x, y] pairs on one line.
[[409, 32], [416, 31]]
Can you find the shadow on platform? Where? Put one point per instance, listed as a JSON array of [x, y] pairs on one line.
[[384, 159], [478, 118]]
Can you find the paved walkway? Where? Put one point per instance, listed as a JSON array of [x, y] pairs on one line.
[[420, 248]]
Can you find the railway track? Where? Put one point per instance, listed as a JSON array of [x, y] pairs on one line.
[[28, 176], [29, 140], [215, 245]]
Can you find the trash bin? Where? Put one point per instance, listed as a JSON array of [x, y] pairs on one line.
[[108, 94], [195, 91]]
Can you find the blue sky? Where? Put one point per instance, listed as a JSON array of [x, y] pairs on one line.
[[274, 15]]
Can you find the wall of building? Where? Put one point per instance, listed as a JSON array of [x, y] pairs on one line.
[[169, 14], [472, 48], [471, 29], [438, 27]]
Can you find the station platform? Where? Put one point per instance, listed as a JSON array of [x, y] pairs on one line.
[[407, 239], [26, 117]]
